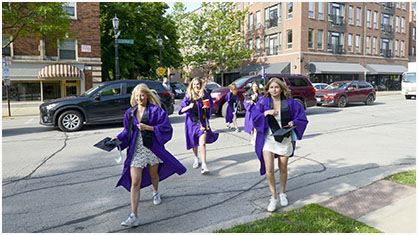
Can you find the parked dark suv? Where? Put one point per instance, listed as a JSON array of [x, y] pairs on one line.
[[300, 86], [105, 103]]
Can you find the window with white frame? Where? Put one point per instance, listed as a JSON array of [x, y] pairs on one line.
[[350, 15], [403, 24], [368, 44], [374, 45], [413, 33], [290, 10], [250, 44], [413, 51], [69, 7], [310, 38], [257, 20], [67, 50], [320, 10], [350, 42], [402, 48], [311, 10], [257, 45], [250, 21], [397, 23], [273, 44], [266, 45], [358, 12], [396, 48], [271, 16], [403, 5], [319, 39], [357, 43], [375, 20], [368, 18], [289, 39], [397, 5]]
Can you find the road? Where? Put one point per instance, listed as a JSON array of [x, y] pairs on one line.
[[58, 182]]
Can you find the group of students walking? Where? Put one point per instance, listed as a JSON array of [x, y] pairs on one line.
[[148, 162]]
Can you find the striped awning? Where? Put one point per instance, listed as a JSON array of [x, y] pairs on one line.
[[60, 71]]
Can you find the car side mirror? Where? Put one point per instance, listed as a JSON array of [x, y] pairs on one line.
[[97, 96]]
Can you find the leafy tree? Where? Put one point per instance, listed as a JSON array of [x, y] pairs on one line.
[[45, 20], [143, 22]]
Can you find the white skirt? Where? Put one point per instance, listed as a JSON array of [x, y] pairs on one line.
[[285, 148]]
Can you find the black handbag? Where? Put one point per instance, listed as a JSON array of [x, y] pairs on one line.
[[277, 132]]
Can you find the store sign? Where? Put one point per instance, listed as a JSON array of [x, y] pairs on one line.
[[85, 48]]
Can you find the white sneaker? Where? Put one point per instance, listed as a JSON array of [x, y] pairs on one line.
[[272, 205], [204, 170], [283, 199], [131, 221], [156, 199], [237, 129], [196, 163]]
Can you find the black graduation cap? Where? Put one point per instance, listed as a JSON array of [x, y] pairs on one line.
[[107, 144], [283, 132]]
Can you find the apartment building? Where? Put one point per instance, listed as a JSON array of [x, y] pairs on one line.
[[330, 41], [39, 74], [412, 52]]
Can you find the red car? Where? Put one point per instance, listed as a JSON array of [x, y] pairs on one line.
[[300, 86], [343, 92]]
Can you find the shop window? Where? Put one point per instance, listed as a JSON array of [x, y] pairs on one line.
[[25, 91]]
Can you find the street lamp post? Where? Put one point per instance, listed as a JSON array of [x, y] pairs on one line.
[[115, 22], [160, 44]]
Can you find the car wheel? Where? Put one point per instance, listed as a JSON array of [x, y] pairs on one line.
[[70, 121], [342, 102], [301, 102], [369, 100], [408, 97], [223, 109]]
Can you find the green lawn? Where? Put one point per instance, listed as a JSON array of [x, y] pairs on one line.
[[407, 178], [311, 218]]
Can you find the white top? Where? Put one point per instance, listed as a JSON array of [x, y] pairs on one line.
[[285, 148]]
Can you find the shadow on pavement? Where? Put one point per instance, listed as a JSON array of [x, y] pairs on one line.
[[25, 130]]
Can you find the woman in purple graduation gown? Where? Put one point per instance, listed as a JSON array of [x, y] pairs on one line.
[[251, 98], [232, 109], [277, 108], [145, 164], [197, 128]]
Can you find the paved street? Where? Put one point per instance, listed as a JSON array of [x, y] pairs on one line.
[[58, 182]]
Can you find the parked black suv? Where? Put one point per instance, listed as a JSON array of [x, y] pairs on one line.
[[105, 103]]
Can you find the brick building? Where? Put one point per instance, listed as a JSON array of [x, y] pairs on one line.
[[331, 41], [39, 74]]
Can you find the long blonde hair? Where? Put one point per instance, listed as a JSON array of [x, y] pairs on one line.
[[233, 88], [190, 92], [152, 96], [285, 90]]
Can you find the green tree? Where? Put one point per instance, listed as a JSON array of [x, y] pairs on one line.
[[143, 22], [45, 20]]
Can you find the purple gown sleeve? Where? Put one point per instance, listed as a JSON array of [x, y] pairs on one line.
[[162, 127], [185, 103], [298, 117], [257, 113], [123, 136]]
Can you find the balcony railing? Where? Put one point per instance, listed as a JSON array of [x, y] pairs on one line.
[[387, 28], [386, 52], [335, 48], [271, 22], [388, 5], [336, 19]]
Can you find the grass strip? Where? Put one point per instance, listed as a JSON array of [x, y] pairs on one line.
[[311, 218], [406, 178]]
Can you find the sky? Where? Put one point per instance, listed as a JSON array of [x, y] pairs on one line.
[[190, 6]]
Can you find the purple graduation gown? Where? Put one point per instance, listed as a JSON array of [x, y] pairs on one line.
[[248, 122], [163, 132], [229, 115], [297, 115], [193, 131]]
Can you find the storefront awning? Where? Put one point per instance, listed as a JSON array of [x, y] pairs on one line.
[[336, 68], [273, 68], [57, 71], [386, 69]]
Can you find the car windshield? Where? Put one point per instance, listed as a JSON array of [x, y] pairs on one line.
[[178, 85], [212, 85], [241, 81], [91, 90], [337, 86], [409, 77]]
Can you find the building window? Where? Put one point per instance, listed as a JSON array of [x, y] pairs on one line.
[[6, 51], [279, 38], [385, 47], [289, 39], [350, 15], [266, 45], [311, 9], [320, 10], [67, 50], [358, 12], [403, 5], [402, 49], [257, 45], [336, 13], [250, 21], [357, 43], [335, 42], [273, 44], [413, 33], [310, 38], [396, 48], [368, 45], [397, 5], [375, 20], [290, 10], [368, 18], [257, 20], [413, 51], [397, 24], [69, 7], [374, 45], [319, 44], [250, 44], [386, 21], [271, 16], [350, 42], [403, 24]]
